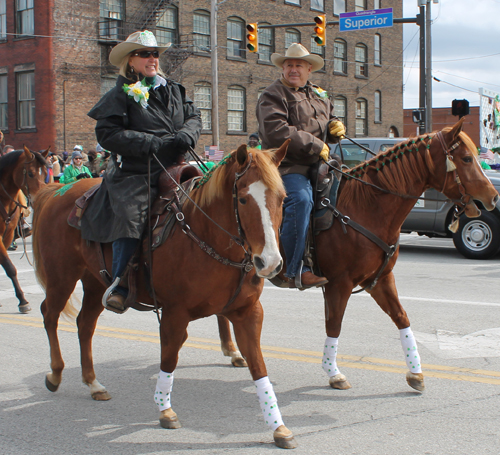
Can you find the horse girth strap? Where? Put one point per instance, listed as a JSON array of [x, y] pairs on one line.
[[7, 217]]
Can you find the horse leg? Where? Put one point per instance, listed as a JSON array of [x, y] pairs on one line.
[[11, 272], [336, 296], [227, 345], [86, 321], [386, 296], [247, 325]]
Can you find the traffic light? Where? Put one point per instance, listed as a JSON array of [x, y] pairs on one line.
[[460, 108], [320, 29], [252, 37]]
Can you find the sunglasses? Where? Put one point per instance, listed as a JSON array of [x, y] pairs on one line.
[[146, 54]]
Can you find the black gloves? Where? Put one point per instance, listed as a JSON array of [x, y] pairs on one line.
[[83, 175], [182, 143]]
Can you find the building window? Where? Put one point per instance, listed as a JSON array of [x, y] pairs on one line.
[[340, 108], [361, 60], [201, 31], [166, 27], [235, 34], [378, 107], [3, 102], [340, 56], [203, 101], [377, 58], [25, 17], [291, 36], [318, 5], [111, 14], [3, 19], [293, 2], [266, 44], [236, 109], [315, 49], [107, 83], [376, 4], [338, 7], [25, 100], [361, 124], [359, 5]]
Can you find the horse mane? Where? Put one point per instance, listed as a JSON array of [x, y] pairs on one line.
[[10, 159], [215, 182]]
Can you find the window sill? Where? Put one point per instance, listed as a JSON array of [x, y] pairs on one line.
[[293, 4], [202, 54], [206, 131], [360, 77], [20, 38], [337, 73], [265, 62], [25, 130], [378, 122], [236, 133], [379, 65], [236, 59]]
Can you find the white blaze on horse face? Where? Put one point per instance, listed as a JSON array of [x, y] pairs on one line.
[[270, 255]]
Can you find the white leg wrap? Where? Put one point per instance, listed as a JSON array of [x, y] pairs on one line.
[[268, 403], [330, 357], [163, 389], [410, 350]]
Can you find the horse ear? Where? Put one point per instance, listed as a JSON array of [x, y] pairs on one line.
[[27, 152], [455, 130], [281, 152], [241, 154], [46, 153]]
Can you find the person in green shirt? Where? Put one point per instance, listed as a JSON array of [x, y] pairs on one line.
[[254, 142], [76, 170]]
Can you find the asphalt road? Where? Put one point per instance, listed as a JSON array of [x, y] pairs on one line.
[[454, 307]]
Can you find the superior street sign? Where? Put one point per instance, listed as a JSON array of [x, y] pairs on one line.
[[362, 20]]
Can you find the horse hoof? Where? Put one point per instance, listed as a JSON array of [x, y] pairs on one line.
[[169, 420], [239, 362], [52, 387], [339, 382], [284, 439], [101, 396], [415, 381], [24, 308]]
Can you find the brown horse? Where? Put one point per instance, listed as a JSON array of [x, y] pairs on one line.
[[20, 171], [241, 198], [349, 259]]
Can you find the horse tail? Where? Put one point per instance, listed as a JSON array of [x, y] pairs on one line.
[[39, 201]]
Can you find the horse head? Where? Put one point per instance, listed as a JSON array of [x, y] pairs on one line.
[[32, 171], [465, 180], [258, 197]]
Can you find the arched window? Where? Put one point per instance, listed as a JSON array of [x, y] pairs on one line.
[[201, 31], [235, 35], [203, 101], [393, 132], [377, 54], [236, 108], [361, 58], [266, 43], [340, 56], [340, 108], [292, 35], [361, 118], [378, 107], [166, 27]]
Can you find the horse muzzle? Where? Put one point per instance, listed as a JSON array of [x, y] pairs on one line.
[[267, 269]]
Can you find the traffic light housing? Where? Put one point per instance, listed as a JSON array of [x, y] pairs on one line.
[[320, 29], [460, 108], [252, 37]]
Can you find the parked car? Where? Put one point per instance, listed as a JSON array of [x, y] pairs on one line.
[[476, 238]]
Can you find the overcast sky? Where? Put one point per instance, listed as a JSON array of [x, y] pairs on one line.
[[465, 50]]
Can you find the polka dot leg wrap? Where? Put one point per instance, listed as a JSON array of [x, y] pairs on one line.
[[330, 357], [163, 389], [268, 403], [410, 350]]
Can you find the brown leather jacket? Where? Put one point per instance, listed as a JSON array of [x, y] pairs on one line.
[[298, 114]]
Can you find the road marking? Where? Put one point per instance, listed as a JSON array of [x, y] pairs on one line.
[[295, 355]]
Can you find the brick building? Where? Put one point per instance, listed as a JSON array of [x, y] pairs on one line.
[[54, 66]]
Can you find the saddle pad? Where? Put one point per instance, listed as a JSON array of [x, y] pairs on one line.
[[75, 217]]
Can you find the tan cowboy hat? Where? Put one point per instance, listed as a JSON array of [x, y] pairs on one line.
[[297, 51], [137, 40]]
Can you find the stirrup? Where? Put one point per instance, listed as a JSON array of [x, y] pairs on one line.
[[298, 277], [109, 291]]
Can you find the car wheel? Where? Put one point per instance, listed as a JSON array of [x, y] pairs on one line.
[[478, 238]]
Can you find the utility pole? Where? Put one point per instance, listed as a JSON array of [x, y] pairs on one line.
[[428, 68], [422, 95], [215, 73]]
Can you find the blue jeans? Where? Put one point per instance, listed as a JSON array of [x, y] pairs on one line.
[[296, 212], [123, 249]]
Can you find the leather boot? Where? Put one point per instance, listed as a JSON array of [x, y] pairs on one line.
[[308, 280], [116, 303]]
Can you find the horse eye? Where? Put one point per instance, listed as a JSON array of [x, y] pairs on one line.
[[467, 159], [242, 200], [31, 175]]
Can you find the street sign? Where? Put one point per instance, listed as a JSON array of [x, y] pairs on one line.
[[363, 20]]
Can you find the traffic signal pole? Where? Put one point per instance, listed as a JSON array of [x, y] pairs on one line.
[[421, 91]]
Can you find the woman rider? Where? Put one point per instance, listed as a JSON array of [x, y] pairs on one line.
[[144, 115]]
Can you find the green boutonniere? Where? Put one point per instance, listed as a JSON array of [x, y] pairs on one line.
[[320, 92]]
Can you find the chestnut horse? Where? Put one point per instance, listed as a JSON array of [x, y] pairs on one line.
[[446, 161], [19, 171], [241, 202]]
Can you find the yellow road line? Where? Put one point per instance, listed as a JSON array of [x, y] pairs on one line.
[[295, 355]]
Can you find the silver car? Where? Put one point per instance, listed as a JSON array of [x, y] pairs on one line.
[[476, 238]]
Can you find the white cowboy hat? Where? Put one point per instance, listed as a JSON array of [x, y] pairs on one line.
[[137, 40], [297, 51]]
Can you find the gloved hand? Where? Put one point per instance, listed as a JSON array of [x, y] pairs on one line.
[[182, 142], [83, 175], [336, 129], [167, 144], [325, 153]]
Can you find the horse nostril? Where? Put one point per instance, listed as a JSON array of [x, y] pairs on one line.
[[258, 262]]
